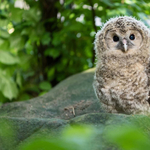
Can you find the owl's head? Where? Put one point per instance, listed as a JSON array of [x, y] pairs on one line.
[[124, 35]]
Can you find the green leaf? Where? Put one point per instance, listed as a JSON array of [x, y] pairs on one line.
[[3, 14], [33, 15], [4, 22], [7, 58], [52, 52], [16, 14], [45, 39], [33, 36], [68, 2], [4, 33], [42, 144], [5, 45], [42, 93], [9, 88], [3, 99], [18, 79], [26, 31], [128, 137], [16, 41], [78, 133], [24, 97], [1, 41], [51, 73], [45, 85]]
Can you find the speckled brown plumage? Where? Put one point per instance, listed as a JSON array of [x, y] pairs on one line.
[[121, 80]]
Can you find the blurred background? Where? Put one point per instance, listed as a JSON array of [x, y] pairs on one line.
[[42, 42]]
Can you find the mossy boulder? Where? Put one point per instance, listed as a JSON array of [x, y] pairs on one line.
[[73, 101]]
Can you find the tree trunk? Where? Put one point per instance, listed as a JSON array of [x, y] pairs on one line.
[[49, 12]]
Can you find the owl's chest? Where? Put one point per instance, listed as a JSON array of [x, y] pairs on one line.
[[127, 77], [128, 83]]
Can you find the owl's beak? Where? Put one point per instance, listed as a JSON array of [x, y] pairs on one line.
[[125, 46]]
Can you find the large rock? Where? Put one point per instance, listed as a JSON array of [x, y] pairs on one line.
[[72, 97], [73, 101]]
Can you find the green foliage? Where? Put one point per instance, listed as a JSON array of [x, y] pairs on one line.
[[72, 138], [128, 137], [82, 137], [7, 133], [40, 45]]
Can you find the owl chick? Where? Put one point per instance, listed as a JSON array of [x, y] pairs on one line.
[[122, 76]]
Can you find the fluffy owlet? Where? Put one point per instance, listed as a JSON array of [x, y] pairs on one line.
[[122, 77]]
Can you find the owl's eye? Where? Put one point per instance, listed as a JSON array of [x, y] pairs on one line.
[[132, 37], [116, 38]]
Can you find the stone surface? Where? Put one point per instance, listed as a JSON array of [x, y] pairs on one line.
[[72, 97], [73, 101]]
